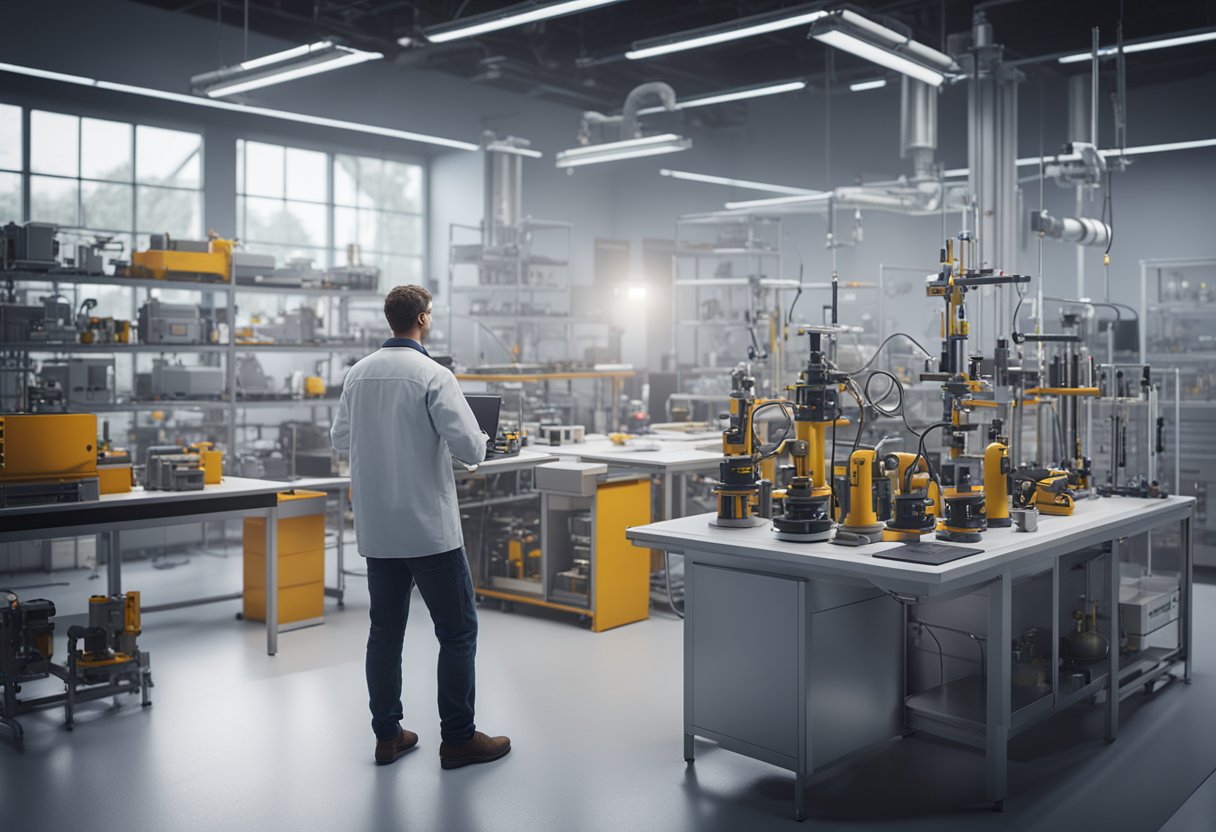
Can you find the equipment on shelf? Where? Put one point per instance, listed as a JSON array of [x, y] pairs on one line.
[[171, 323], [57, 324], [560, 434], [98, 330], [251, 380], [1085, 645], [1146, 604], [114, 465], [73, 383], [31, 247], [173, 468], [300, 326], [169, 259], [355, 278], [175, 380]]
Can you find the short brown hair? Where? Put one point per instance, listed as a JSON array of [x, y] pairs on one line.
[[403, 305]]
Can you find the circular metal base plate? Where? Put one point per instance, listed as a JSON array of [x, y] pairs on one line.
[[745, 523], [959, 537], [793, 537]]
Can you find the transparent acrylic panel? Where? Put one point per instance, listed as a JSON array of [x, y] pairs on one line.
[[263, 169], [53, 200], [346, 228], [10, 137], [346, 175], [307, 175], [401, 233], [105, 150], [10, 197], [54, 143], [107, 205], [402, 189], [168, 157], [169, 210]]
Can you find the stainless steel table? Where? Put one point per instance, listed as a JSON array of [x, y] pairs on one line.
[[139, 509], [794, 653]]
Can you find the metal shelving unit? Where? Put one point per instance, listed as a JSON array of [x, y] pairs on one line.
[[1178, 331], [215, 295]]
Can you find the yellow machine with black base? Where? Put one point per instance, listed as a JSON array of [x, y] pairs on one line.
[[916, 501], [867, 502], [167, 258], [744, 497], [997, 470], [808, 499], [1053, 492], [963, 517]]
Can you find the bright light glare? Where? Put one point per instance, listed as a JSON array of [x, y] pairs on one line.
[[1146, 46], [518, 19], [724, 36], [861, 86], [709, 179], [882, 57], [340, 60], [735, 95]]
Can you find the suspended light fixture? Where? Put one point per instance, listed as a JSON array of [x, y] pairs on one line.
[[507, 18], [628, 149], [741, 94], [851, 32], [746, 27], [1142, 46], [288, 65]]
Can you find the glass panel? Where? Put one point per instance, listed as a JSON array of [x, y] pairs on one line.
[[263, 169], [346, 228], [168, 157], [284, 253], [306, 224], [274, 221], [106, 205], [402, 189], [395, 270], [400, 233], [346, 171], [10, 197], [240, 168], [54, 143], [167, 210], [105, 150], [371, 182], [53, 200], [307, 175], [10, 137], [370, 231]]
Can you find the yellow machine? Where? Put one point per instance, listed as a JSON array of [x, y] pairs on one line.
[[963, 510], [301, 544], [172, 262], [996, 484], [314, 387], [1052, 493], [917, 498], [48, 457], [116, 621], [523, 554], [211, 460], [741, 491], [861, 522], [99, 330]]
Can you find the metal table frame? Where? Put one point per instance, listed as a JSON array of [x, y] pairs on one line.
[[1007, 557]]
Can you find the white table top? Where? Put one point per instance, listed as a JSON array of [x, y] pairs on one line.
[[229, 487], [671, 457], [1094, 520], [526, 458]]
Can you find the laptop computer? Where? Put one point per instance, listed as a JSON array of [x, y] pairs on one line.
[[486, 409]]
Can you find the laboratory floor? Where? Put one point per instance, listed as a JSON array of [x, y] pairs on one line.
[[240, 740]]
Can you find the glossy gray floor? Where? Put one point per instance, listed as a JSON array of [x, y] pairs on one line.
[[240, 740]]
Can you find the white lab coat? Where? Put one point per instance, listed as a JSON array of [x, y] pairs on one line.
[[403, 419]]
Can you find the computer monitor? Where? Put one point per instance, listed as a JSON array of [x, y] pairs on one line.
[[486, 408]]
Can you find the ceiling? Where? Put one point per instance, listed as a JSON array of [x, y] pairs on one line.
[[578, 60]]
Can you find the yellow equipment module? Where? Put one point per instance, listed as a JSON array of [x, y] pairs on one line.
[[46, 447], [314, 387], [159, 264], [301, 539], [211, 460], [996, 484], [621, 571]]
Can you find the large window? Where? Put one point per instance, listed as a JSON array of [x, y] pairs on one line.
[[297, 203], [10, 163], [96, 177]]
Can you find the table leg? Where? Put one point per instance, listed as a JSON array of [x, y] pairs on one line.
[[1112, 634], [272, 580], [668, 495], [342, 547], [800, 781], [689, 755], [996, 744], [1187, 553]]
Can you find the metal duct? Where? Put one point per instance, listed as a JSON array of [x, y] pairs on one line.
[[1084, 231], [634, 101], [1078, 108], [503, 196], [918, 125]]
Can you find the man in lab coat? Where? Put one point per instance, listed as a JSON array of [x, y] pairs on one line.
[[403, 420]]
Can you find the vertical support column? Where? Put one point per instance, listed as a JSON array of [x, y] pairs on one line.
[[999, 700], [689, 657], [1187, 552], [805, 740], [112, 544], [1112, 634], [272, 579]]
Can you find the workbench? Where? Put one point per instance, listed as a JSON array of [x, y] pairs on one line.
[[108, 517], [796, 653]]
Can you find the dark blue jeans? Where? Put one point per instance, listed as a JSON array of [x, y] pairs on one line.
[[447, 589]]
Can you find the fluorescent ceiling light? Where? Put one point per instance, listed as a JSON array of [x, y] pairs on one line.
[[861, 86], [741, 29], [732, 95], [1139, 150], [507, 18], [279, 67], [803, 199], [735, 183], [264, 112], [876, 54], [515, 150], [628, 149], [1143, 46]]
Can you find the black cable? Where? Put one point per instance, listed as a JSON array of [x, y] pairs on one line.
[[895, 387], [920, 452], [1094, 303], [790, 316], [878, 351], [775, 446], [1110, 203], [941, 661]]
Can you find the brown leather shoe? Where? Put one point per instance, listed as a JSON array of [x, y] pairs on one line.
[[480, 749], [389, 750]]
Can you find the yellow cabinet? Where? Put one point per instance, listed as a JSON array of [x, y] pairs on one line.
[[301, 546]]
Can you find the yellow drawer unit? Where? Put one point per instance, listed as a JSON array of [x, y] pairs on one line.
[[301, 563]]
